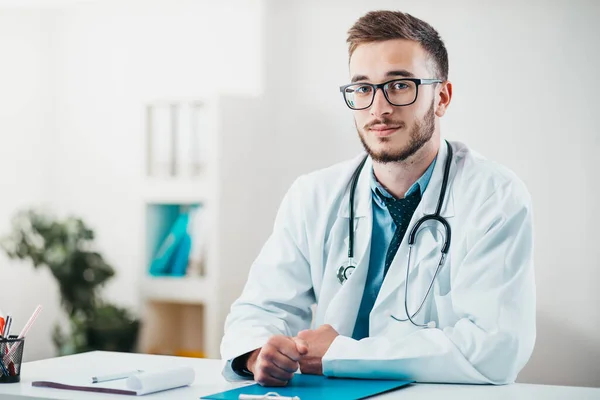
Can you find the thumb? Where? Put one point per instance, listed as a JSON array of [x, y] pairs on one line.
[[301, 346]]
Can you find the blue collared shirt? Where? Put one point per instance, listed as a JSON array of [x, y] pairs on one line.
[[384, 228]]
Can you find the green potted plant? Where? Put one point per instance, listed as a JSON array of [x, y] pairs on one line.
[[65, 247]]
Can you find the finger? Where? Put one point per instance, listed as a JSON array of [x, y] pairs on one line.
[[282, 362], [311, 366], [303, 333], [266, 380], [272, 355], [285, 364], [301, 346], [277, 373], [303, 366], [286, 346], [268, 374]]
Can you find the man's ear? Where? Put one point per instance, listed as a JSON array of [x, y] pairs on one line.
[[444, 97]]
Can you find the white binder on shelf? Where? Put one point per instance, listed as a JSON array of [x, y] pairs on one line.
[[159, 140]]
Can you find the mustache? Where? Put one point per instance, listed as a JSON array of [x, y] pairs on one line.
[[383, 121]]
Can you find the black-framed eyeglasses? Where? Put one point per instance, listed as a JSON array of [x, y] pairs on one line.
[[398, 92]]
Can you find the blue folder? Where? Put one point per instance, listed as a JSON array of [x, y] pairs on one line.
[[316, 387]]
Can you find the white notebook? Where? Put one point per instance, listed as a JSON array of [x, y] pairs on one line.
[[136, 385]]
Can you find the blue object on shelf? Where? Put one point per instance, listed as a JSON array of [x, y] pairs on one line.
[[161, 263], [181, 256]]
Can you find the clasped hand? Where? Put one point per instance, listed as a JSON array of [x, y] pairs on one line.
[[274, 364]]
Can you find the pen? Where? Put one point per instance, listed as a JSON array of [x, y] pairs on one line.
[[30, 322], [3, 369], [7, 326], [23, 333], [112, 377], [268, 396]]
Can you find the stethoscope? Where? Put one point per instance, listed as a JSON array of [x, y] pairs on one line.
[[345, 271]]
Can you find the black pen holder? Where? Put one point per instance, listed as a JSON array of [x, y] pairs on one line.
[[11, 357]]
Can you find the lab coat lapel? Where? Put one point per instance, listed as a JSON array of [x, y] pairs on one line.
[[426, 251], [343, 308]]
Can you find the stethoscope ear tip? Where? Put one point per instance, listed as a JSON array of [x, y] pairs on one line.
[[431, 324]]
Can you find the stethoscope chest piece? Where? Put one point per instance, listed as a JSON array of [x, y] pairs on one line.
[[345, 271]]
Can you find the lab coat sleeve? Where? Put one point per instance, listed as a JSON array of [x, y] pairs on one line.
[[278, 294], [493, 293]]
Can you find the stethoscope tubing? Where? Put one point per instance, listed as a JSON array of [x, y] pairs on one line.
[[412, 235]]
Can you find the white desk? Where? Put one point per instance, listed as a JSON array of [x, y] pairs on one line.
[[209, 380]]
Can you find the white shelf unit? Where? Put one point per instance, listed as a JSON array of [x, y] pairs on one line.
[[185, 315], [175, 191], [184, 290]]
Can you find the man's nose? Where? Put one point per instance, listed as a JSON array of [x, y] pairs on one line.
[[380, 104]]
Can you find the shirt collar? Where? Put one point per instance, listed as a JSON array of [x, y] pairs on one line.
[[420, 184]]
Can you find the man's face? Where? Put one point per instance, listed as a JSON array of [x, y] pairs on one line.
[[393, 133]]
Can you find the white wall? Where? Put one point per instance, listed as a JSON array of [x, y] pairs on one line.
[[25, 127], [525, 94], [75, 77]]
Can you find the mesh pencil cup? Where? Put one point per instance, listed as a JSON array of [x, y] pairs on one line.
[[11, 356]]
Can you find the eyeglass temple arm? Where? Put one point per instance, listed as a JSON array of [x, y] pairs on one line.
[[430, 81]]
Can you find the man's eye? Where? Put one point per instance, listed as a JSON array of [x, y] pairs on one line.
[[399, 86], [363, 90]]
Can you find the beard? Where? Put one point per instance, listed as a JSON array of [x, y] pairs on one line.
[[419, 135]]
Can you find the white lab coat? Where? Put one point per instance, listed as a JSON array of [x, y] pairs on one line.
[[483, 301]]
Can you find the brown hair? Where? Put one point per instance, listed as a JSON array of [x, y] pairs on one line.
[[377, 26]]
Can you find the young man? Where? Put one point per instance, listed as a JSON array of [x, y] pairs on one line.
[[393, 310]]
